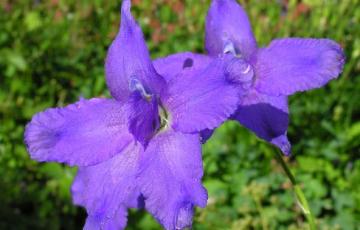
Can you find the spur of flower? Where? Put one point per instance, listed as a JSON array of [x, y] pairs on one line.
[[141, 149], [266, 76]]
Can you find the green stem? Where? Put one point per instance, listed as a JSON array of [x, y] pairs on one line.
[[302, 202]]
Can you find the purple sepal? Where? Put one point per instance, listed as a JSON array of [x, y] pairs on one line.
[[85, 133], [170, 178]]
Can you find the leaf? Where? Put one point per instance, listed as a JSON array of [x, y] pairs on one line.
[[33, 21], [354, 131]]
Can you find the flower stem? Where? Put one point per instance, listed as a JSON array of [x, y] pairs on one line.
[[302, 201]]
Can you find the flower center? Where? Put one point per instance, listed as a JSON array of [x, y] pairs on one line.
[[164, 117], [162, 120], [238, 69]]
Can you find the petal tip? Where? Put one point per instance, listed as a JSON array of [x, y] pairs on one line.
[[40, 136], [127, 19], [227, 21], [184, 217], [126, 6], [335, 58], [283, 144]]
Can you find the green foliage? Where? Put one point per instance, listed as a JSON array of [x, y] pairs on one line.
[[52, 53]]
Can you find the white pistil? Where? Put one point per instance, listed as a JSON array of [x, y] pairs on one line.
[[135, 85]]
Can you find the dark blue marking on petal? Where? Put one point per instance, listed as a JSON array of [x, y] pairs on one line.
[[188, 63], [265, 120]]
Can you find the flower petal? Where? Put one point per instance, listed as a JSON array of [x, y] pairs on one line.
[[115, 223], [295, 64], [84, 133], [171, 66], [143, 117], [267, 117], [226, 23], [206, 134], [170, 178], [198, 100], [128, 58], [106, 190]]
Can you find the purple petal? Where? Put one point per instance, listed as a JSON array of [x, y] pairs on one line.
[[115, 223], [206, 134], [143, 118], [283, 144], [267, 117], [85, 133], [227, 23], [128, 58], [106, 190], [295, 64], [171, 66], [254, 97], [198, 100], [170, 178]]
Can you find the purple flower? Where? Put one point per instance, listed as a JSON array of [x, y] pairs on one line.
[[142, 148], [266, 76]]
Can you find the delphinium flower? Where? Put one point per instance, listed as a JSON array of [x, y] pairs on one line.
[[267, 75], [142, 148]]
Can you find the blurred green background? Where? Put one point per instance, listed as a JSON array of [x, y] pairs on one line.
[[52, 52]]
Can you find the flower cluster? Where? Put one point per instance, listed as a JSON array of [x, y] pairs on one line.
[[142, 149]]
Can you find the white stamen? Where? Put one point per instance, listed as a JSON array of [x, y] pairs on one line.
[[229, 48], [135, 85]]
